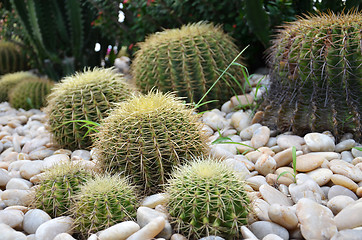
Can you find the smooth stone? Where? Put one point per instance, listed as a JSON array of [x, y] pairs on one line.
[[247, 234], [81, 154], [207, 131], [7, 233], [260, 208], [238, 167], [4, 177], [256, 181], [178, 236], [359, 192], [35, 143], [253, 155], [40, 153], [271, 196], [337, 190], [260, 137], [227, 107], [248, 132], [308, 189], [283, 216], [272, 236], [154, 200], [49, 229], [273, 179], [64, 236], [263, 228], [316, 220], [29, 169], [288, 141], [289, 172], [327, 155], [145, 215], [347, 156], [273, 143], [337, 203], [120, 231], [212, 238], [18, 183], [63, 151], [13, 197], [214, 120], [346, 169], [344, 181], [308, 162], [348, 234], [218, 151], [321, 175], [150, 230], [350, 216], [356, 160], [248, 164], [30, 237], [284, 157], [265, 164], [240, 120], [244, 99], [345, 145], [15, 166], [11, 157], [12, 218], [55, 159], [94, 237], [356, 153], [318, 142], [33, 219]]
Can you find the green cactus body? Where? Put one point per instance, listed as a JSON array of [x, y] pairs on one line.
[[86, 96], [103, 202], [11, 58], [30, 94], [10, 80], [188, 61], [146, 136], [207, 198], [316, 72], [58, 186]]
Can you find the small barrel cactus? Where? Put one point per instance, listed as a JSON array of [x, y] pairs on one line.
[[316, 73], [86, 96], [188, 61], [30, 94], [103, 202], [58, 186], [11, 58], [207, 198], [146, 136], [10, 80]]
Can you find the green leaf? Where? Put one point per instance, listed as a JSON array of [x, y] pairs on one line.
[[358, 148], [285, 172]]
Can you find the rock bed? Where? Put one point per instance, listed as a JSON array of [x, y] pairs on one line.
[[324, 203]]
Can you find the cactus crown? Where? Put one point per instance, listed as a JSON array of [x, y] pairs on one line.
[[207, 198], [316, 72]]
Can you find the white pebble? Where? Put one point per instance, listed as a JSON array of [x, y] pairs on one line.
[[260, 137], [64, 236], [120, 231], [318, 142], [18, 183], [49, 229], [154, 200], [337, 203], [33, 219], [350, 216], [150, 230], [12, 218], [13, 197], [265, 164]]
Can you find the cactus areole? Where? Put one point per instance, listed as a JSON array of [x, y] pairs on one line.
[[316, 72]]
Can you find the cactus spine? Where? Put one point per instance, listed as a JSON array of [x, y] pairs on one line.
[[146, 136], [207, 198], [11, 58], [103, 202], [30, 94], [83, 96], [188, 61], [316, 72]]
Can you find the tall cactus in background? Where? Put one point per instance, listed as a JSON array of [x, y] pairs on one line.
[[188, 61], [11, 58], [59, 33], [316, 71]]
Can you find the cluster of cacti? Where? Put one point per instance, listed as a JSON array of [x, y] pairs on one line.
[[86, 96], [207, 198], [10, 80], [316, 72], [30, 94], [57, 187], [146, 136], [188, 61], [103, 202], [11, 58]]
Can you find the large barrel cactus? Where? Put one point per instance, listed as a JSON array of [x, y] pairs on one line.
[[11, 58], [188, 61], [86, 96], [10, 80], [316, 72]]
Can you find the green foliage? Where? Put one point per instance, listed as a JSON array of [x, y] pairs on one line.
[[146, 136], [10, 80], [207, 198], [187, 61], [30, 94], [58, 186], [84, 96], [316, 76], [58, 34], [103, 202], [12, 59]]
